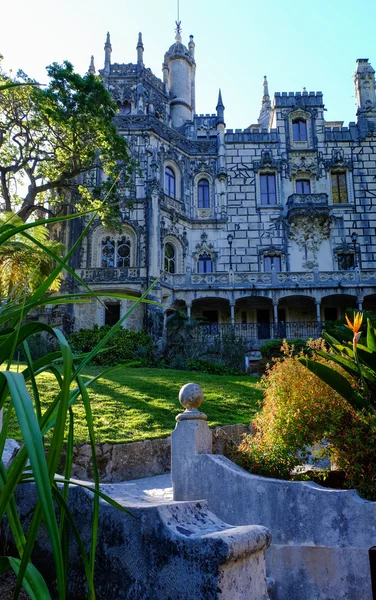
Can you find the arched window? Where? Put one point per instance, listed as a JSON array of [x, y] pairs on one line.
[[169, 258], [299, 130], [124, 108], [116, 253], [303, 186], [123, 253], [203, 194], [108, 253], [169, 182], [205, 263]]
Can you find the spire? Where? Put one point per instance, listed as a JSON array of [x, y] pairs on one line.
[[140, 50], [107, 55], [220, 109], [266, 106], [91, 69], [178, 25], [191, 46]]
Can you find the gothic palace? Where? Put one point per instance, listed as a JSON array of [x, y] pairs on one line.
[[269, 230]]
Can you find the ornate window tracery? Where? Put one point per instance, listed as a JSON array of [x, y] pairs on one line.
[[205, 263], [115, 252], [346, 261], [169, 258]]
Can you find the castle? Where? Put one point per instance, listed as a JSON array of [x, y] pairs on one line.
[[267, 230]]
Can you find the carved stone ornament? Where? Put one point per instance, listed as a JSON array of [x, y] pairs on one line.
[[309, 233], [302, 163], [267, 162]]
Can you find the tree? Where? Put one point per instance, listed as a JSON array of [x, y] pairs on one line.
[[24, 266], [52, 141]]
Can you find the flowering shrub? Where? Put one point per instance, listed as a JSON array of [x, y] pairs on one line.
[[296, 413]]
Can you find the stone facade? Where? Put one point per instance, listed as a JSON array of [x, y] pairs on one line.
[[269, 229]]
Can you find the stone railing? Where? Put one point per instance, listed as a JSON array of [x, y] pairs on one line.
[[283, 279], [298, 204], [110, 275], [259, 331], [319, 534]]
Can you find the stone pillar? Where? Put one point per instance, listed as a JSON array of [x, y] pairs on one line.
[[232, 312], [360, 303], [190, 437], [318, 311], [275, 311], [189, 307]]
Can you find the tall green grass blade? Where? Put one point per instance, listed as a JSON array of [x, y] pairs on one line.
[[33, 582], [33, 441]]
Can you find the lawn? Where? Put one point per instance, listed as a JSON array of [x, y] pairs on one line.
[[130, 404]]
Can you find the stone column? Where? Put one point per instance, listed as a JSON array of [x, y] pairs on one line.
[[189, 306], [275, 318], [190, 437], [360, 303], [232, 312], [318, 311]]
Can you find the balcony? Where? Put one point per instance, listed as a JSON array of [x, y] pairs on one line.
[[260, 331], [110, 275], [301, 204]]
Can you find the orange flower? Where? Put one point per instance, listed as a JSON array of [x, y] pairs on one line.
[[358, 319]]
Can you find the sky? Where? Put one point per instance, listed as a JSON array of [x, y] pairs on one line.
[[296, 44]]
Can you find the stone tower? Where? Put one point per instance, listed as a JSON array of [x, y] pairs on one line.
[[179, 69]]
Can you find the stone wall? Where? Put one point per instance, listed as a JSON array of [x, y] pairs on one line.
[[122, 462]]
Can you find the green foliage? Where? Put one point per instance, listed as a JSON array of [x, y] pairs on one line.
[[20, 398], [299, 411], [131, 404], [54, 136], [294, 416], [276, 348], [357, 360], [125, 344]]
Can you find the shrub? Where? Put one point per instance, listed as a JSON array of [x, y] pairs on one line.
[[295, 415], [353, 448], [125, 345]]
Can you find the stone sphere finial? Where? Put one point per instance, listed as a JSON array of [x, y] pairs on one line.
[[191, 396]]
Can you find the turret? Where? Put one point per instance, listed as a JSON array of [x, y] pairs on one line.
[[140, 51], [221, 174], [179, 69], [220, 109], [364, 79], [91, 69], [107, 55], [266, 106]]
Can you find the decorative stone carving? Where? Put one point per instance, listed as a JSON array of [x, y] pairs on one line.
[[309, 233]]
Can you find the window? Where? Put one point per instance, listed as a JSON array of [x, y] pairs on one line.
[[303, 186], [339, 187], [346, 261], [169, 182], [169, 258], [272, 262], [205, 263], [112, 313], [125, 108], [268, 189], [203, 194], [116, 253], [299, 130]]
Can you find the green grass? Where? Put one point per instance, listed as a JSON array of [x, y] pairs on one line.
[[131, 404]]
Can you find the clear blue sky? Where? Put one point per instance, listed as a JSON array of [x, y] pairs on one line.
[[296, 44]]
